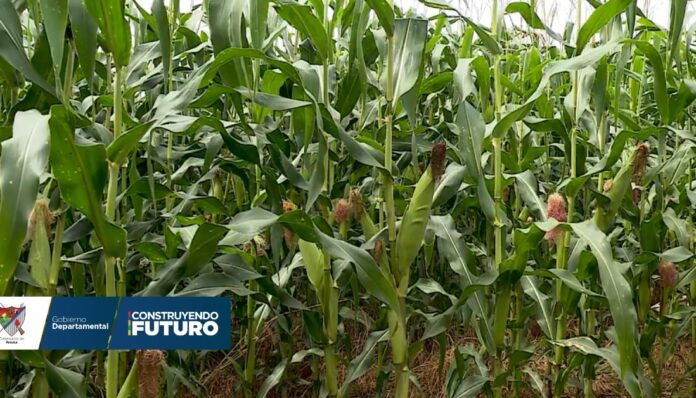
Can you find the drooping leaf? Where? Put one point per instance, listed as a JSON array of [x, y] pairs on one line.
[[545, 314], [385, 15], [578, 62], [202, 249], [527, 185], [599, 18], [371, 276], [617, 291], [362, 363], [302, 18], [65, 382], [450, 242]]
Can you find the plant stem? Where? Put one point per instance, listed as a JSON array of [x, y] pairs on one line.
[[110, 262], [388, 179], [251, 343], [399, 344], [330, 315], [517, 337], [68, 81], [397, 317], [692, 291], [503, 297], [692, 286], [131, 381], [56, 263]]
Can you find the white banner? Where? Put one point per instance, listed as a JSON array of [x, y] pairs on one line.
[[22, 321]]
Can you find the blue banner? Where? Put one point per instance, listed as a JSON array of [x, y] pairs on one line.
[[99, 323], [79, 323], [200, 323]]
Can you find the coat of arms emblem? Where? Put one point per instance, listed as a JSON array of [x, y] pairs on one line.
[[12, 318]]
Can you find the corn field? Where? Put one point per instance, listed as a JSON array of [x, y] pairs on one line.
[[396, 205]]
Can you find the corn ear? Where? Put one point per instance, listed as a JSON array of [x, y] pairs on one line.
[[40, 250], [410, 236], [619, 187], [314, 263], [368, 226]]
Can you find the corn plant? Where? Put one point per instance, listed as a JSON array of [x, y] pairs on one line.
[[381, 194]]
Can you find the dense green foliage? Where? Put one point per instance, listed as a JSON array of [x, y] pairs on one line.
[[342, 164]]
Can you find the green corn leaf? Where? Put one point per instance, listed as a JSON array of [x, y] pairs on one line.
[[617, 291], [55, 15], [362, 363], [274, 102], [410, 37], [471, 386], [682, 99], [463, 79], [545, 316], [471, 130], [65, 382], [214, 284], [258, 18], [369, 273], [303, 19], [226, 32], [530, 17], [450, 184], [525, 10], [12, 46], [450, 242], [676, 225], [659, 79], [122, 147], [578, 62], [677, 13], [244, 226], [587, 346], [110, 17], [488, 41], [84, 31], [202, 249], [527, 186], [81, 172], [32, 358], [22, 160], [385, 14], [599, 18], [159, 12], [273, 379]]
